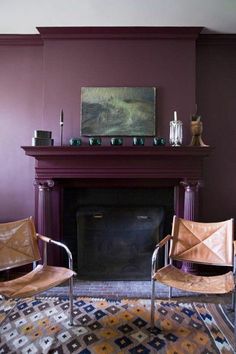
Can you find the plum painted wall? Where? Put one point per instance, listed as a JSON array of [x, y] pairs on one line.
[[167, 64], [37, 81], [216, 96], [20, 114]]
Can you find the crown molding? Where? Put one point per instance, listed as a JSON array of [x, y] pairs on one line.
[[21, 39], [216, 39], [119, 32]]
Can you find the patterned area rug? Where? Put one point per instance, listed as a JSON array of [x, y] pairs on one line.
[[109, 327]]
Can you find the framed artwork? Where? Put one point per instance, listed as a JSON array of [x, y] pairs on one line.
[[118, 111]]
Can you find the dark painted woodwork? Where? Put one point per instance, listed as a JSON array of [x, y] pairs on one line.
[[57, 167], [21, 39], [113, 32], [114, 162]]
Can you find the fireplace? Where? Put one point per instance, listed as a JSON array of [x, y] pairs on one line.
[[128, 168]]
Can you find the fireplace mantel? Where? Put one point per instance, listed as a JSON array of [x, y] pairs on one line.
[[121, 166], [118, 162]]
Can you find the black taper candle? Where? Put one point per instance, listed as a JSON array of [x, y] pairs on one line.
[[62, 117], [61, 125]]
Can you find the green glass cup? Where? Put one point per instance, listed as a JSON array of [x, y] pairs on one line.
[[95, 141], [75, 142], [138, 141], [159, 141], [116, 141]]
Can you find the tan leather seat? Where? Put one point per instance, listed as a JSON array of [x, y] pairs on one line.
[[39, 279], [19, 246], [176, 278]]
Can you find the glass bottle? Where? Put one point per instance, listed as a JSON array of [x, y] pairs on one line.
[[176, 131]]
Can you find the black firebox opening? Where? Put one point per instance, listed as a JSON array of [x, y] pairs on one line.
[[112, 232]]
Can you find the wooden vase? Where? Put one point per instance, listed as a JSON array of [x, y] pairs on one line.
[[196, 130]]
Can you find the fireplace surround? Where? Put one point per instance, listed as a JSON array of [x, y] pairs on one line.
[[57, 168]]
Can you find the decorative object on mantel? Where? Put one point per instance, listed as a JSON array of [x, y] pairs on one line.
[[61, 126], [116, 141], [138, 141], [196, 130], [118, 111], [75, 141], [95, 141], [159, 141], [176, 131], [42, 138]]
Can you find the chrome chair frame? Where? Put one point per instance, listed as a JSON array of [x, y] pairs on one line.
[[47, 241], [166, 242]]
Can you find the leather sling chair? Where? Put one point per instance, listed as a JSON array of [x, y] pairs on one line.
[[18, 247], [203, 243]]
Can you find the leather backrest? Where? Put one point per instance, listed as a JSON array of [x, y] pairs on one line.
[[210, 243], [18, 244]]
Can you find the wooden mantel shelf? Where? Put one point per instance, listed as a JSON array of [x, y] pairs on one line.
[[40, 151], [56, 162]]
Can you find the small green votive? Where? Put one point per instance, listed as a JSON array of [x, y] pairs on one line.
[[95, 141], [138, 141], [116, 141], [158, 141], [75, 142]]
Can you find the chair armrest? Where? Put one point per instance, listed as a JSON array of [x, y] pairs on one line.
[[164, 241], [160, 244], [46, 239], [43, 238]]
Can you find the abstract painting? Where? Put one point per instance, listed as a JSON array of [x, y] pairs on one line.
[[118, 111]]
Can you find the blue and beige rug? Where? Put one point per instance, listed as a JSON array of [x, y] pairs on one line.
[[109, 327]]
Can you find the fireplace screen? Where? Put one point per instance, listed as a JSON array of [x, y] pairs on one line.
[[116, 242]]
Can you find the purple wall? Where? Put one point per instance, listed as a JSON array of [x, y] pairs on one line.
[[38, 81], [216, 96], [20, 114], [168, 65]]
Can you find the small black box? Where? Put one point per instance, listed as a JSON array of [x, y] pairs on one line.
[[42, 142], [44, 134]]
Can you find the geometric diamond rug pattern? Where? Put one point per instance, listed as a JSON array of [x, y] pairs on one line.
[[109, 327]]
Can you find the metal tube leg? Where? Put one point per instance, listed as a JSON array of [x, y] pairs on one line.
[[71, 300], [233, 299], [152, 303], [170, 292]]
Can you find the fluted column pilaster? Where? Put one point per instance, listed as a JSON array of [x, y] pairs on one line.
[[44, 206], [191, 202]]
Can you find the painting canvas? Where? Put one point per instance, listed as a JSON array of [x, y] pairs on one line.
[[118, 111]]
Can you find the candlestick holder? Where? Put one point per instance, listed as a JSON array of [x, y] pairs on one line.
[[61, 134], [61, 126], [176, 133]]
